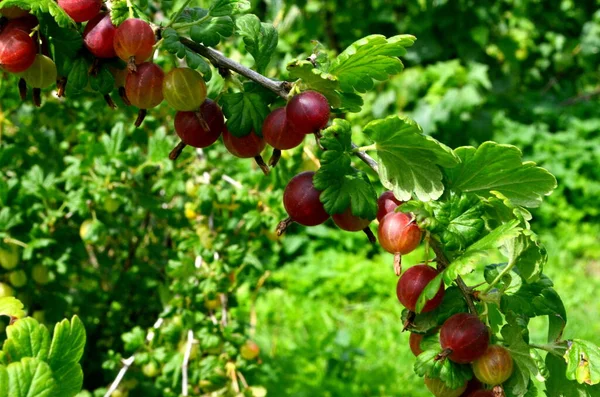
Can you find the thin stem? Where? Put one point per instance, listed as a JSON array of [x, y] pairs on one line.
[[503, 273], [130, 6], [365, 148], [126, 364], [14, 241], [178, 13]]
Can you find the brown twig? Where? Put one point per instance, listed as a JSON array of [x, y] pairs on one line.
[[176, 152]]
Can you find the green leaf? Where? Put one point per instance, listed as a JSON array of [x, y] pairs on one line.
[[496, 167], [452, 303], [260, 39], [119, 12], [558, 385], [409, 160], [429, 292], [583, 362], [3, 381], [465, 263], [342, 185], [66, 350], [528, 253], [316, 79], [229, 7], [11, 306], [78, 77], [245, 111], [194, 60], [452, 374], [30, 377], [40, 7], [27, 338], [370, 58], [9, 219], [64, 43], [103, 82], [211, 31], [515, 335]]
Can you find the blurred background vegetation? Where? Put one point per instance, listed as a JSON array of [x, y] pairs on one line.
[[522, 72]]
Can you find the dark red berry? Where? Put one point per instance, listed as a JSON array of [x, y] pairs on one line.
[[144, 87], [398, 233], [495, 366], [465, 337], [248, 146], [347, 221], [473, 386], [17, 51], [302, 201], [192, 130], [308, 112], [26, 24], [99, 36], [81, 10], [13, 12], [412, 283], [386, 203], [415, 343], [134, 39], [279, 133]]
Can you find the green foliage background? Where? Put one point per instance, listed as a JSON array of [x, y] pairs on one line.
[[327, 320]]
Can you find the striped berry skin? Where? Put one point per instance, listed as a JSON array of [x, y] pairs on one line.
[[412, 283], [439, 389], [308, 112], [398, 234], [386, 203], [184, 89], [465, 337], [248, 146], [144, 87], [495, 366], [42, 73], [81, 10], [349, 222], [134, 39], [17, 51], [99, 36], [302, 200], [279, 133], [192, 131]]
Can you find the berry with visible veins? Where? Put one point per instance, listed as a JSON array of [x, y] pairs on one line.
[[134, 41], [415, 343], [192, 130], [398, 233], [17, 51], [464, 337], [411, 285], [42, 73], [247, 146], [386, 203], [473, 386], [81, 10], [279, 133], [184, 89], [302, 201], [439, 389], [144, 87], [99, 36], [495, 366], [308, 112], [347, 221]]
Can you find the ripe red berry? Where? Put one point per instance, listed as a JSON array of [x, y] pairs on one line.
[[495, 366], [412, 283], [191, 130], [465, 337], [144, 87], [17, 51], [347, 221], [279, 133], [81, 10], [415, 343], [99, 36], [134, 41], [398, 233], [302, 201], [248, 146], [308, 112], [439, 389], [184, 89], [386, 203], [26, 24], [473, 386]]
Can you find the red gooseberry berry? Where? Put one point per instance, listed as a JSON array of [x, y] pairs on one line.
[[134, 41], [308, 112], [481, 393], [191, 130], [414, 342], [99, 36], [412, 283], [13, 12], [144, 87], [464, 337], [386, 203], [398, 233], [350, 222], [279, 133], [26, 24], [247, 146], [184, 89], [302, 200], [17, 51], [81, 10], [495, 366]]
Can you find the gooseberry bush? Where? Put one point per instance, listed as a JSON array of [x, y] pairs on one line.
[[467, 312]]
